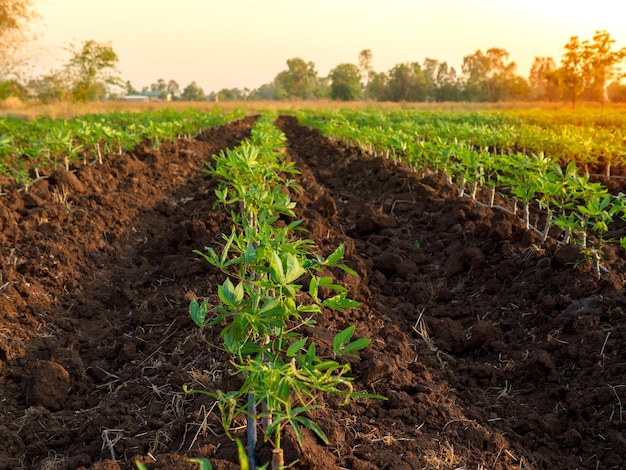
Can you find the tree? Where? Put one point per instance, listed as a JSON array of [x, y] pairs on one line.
[[407, 82], [160, 86], [52, 87], [365, 67], [541, 80], [616, 92], [91, 68], [447, 84], [173, 88], [429, 67], [298, 81], [573, 71], [376, 88], [130, 89], [15, 16], [345, 82], [601, 62], [489, 77], [264, 92], [164, 88], [230, 94], [193, 92], [12, 88]]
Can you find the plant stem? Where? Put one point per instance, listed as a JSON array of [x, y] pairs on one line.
[[546, 228], [278, 459], [278, 456], [526, 215], [251, 431]]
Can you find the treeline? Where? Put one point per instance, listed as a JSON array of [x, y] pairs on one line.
[[588, 70]]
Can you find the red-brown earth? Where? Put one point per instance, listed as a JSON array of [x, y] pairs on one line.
[[494, 351]]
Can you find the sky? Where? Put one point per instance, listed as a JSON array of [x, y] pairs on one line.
[[246, 43]]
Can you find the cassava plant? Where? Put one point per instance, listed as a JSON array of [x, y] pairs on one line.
[[262, 305]]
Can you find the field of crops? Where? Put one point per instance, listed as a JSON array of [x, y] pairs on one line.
[[365, 289]]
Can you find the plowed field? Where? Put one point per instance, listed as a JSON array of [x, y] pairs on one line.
[[494, 351]]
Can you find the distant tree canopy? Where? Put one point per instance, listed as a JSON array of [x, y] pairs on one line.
[[345, 82], [587, 66], [15, 16], [164, 88], [299, 81], [91, 68], [193, 92], [542, 79]]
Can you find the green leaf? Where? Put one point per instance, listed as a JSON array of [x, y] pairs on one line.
[[314, 288], [276, 269], [311, 354], [243, 456], [356, 345], [140, 466], [343, 346], [230, 295], [340, 302], [335, 255], [313, 427], [342, 338], [293, 268], [345, 268], [197, 312], [296, 347]]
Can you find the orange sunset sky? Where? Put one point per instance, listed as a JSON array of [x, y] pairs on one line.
[[245, 43]]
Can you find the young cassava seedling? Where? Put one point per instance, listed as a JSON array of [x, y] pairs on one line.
[[262, 306]]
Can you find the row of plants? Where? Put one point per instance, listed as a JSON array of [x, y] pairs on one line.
[[29, 149], [581, 208], [592, 143], [263, 306]]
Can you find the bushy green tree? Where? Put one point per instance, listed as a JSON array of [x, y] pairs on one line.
[[407, 82], [193, 92], [345, 82], [12, 88], [541, 79], [91, 68], [616, 92], [587, 66], [602, 62], [573, 74], [299, 81], [491, 77], [52, 87], [447, 84], [376, 88]]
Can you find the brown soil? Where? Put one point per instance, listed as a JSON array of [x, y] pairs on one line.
[[494, 351]]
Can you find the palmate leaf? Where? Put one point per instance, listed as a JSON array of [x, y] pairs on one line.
[[285, 270], [340, 302], [230, 295], [336, 255], [343, 346], [342, 338], [295, 419], [198, 312], [296, 347]]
